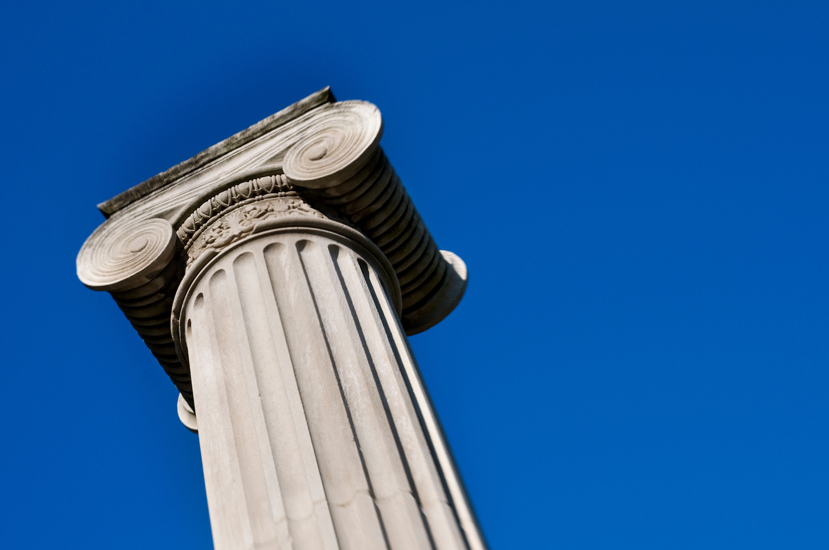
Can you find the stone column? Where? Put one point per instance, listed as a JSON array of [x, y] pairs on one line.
[[309, 401], [289, 267]]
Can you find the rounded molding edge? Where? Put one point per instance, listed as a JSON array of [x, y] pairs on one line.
[[117, 258], [336, 146], [445, 300], [186, 415]]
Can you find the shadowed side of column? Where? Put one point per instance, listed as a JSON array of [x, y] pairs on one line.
[[376, 202], [339, 162]]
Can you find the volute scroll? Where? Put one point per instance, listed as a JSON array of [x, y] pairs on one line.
[[124, 257], [335, 145], [337, 161]]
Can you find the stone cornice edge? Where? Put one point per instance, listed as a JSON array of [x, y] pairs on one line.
[[210, 154]]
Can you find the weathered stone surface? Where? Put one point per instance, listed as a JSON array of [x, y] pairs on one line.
[[179, 171], [325, 153], [310, 436], [274, 277]]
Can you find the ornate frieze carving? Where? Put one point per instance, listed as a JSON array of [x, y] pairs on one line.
[[276, 185], [241, 222], [234, 213]]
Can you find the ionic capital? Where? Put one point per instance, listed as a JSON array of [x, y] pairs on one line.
[[316, 160]]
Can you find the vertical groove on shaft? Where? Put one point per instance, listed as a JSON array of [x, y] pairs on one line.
[[427, 479], [384, 464], [442, 456], [279, 434], [228, 515], [246, 419], [341, 354], [340, 465], [304, 455], [315, 429]]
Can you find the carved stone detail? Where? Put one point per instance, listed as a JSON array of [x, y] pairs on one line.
[[322, 154], [335, 147], [284, 264], [125, 260], [241, 221], [258, 187]]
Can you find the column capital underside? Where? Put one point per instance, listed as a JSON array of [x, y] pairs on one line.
[[317, 162]]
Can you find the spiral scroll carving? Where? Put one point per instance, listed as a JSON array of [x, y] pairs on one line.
[[375, 201], [126, 257], [335, 148]]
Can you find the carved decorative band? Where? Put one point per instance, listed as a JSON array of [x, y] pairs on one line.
[[237, 223], [258, 187]]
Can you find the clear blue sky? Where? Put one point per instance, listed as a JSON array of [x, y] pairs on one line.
[[640, 193]]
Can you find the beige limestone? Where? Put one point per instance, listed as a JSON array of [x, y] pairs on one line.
[[275, 277]]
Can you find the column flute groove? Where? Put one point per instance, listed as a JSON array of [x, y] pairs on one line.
[[384, 464], [316, 271], [291, 446], [341, 468]]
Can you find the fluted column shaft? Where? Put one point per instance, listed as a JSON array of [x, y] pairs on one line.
[[315, 429]]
